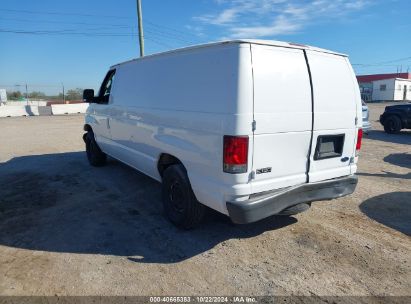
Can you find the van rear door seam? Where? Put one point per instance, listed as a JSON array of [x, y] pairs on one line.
[[307, 172]]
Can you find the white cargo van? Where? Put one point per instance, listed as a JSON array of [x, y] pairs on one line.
[[249, 128]]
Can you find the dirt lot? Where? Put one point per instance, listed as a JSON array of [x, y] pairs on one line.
[[69, 229]]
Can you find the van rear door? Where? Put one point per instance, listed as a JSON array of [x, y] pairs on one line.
[[282, 115], [335, 114]]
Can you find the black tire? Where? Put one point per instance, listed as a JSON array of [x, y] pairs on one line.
[[392, 124], [180, 204], [296, 209], [95, 156]]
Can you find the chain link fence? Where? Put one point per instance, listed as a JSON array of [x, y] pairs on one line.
[[40, 95]]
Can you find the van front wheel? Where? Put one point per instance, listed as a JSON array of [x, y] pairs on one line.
[[180, 204], [95, 156]]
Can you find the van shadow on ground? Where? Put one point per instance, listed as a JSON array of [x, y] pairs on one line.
[[58, 203], [390, 209], [397, 159], [404, 137]]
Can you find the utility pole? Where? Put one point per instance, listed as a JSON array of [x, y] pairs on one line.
[[64, 95], [140, 28], [27, 95]]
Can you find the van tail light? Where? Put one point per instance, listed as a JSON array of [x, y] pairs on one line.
[[359, 140], [235, 154]]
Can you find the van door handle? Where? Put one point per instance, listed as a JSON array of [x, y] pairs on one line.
[[108, 123]]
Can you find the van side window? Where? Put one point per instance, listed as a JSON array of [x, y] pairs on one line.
[[105, 90]]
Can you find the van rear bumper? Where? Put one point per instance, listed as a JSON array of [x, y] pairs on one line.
[[262, 205]]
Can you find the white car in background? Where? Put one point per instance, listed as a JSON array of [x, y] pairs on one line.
[[366, 125]]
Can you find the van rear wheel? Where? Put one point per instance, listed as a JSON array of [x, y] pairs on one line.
[[180, 204], [296, 209], [95, 156]]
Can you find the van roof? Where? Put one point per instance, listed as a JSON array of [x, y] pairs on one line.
[[251, 41]]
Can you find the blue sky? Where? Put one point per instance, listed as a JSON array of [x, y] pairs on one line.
[[48, 42]]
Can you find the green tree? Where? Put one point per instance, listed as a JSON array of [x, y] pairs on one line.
[[76, 94], [14, 95], [37, 95]]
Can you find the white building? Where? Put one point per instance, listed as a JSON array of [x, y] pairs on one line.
[[385, 87], [392, 89]]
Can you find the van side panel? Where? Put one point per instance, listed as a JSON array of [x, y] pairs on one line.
[[282, 111], [199, 80], [335, 112], [183, 105]]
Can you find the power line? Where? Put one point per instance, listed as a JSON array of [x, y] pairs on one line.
[[32, 85], [376, 66], [158, 42], [65, 32], [87, 34], [382, 63], [92, 32], [164, 29], [150, 28], [153, 29], [168, 36], [62, 22], [170, 29], [62, 14]]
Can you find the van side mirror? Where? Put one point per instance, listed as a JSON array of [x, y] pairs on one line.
[[88, 95]]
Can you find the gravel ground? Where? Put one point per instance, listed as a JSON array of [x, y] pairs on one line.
[[69, 229]]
